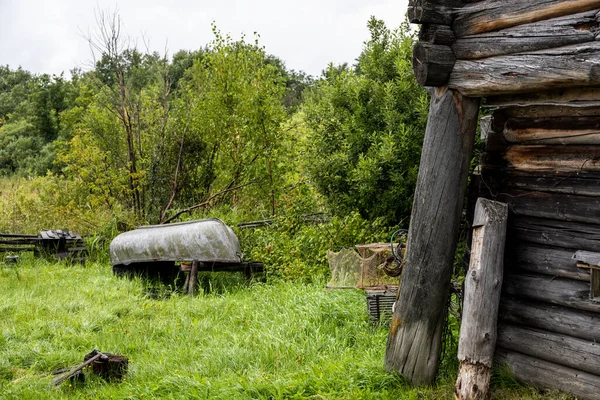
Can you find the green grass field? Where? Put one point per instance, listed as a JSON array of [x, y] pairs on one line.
[[258, 341]]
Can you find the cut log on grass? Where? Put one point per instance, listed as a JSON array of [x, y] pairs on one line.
[[483, 284], [414, 340]]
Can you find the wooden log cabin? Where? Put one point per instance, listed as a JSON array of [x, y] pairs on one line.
[[535, 67]]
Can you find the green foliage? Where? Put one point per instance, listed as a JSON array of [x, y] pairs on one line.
[[367, 127], [293, 249]]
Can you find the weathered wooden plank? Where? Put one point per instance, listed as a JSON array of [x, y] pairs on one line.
[[559, 291], [550, 111], [557, 32], [572, 97], [483, 284], [566, 235], [432, 63], [494, 15], [431, 11], [436, 34], [557, 206], [554, 347], [527, 257], [414, 341], [553, 318], [545, 374], [541, 159], [498, 180], [553, 130], [568, 66]]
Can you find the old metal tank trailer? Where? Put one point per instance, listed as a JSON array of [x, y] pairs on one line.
[[163, 251]]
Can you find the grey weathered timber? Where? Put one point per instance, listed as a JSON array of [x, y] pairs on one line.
[[559, 291], [562, 67], [553, 159], [553, 318], [552, 111], [193, 279], [545, 374], [432, 63], [415, 334], [483, 284], [485, 126], [553, 130], [498, 179], [436, 34], [563, 234], [557, 32], [561, 349], [431, 11], [557, 206], [572, 97], [494, 15], [527, 257]]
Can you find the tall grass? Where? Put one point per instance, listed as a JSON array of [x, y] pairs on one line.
[[257, 341]]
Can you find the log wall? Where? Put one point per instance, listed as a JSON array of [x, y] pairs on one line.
[[542, 158]]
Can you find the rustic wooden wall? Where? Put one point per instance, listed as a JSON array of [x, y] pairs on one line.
[[543, 159]]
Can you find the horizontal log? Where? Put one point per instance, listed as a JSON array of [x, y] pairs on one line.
[[552, 233], [568, 66], [544, 260], [545, 374], [571, 97], [553, 130], [436, 34], [431, 11], [556, 206], [560, 349], [432, 63], [494, 15], [559, 291], [541, 159], [552, 318], [557, 32], [498, 180], [550, 111]]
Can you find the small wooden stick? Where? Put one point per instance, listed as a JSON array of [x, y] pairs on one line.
[[58, 381]]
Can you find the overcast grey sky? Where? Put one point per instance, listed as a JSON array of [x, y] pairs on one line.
[[45, 36]]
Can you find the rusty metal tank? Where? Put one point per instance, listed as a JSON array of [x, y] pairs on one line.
[[207, 240]]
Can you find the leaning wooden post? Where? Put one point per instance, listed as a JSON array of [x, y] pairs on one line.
[[414, 340], [483, 284], [193, 282]]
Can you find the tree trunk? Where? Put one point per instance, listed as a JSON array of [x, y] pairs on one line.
[[483, 285], [415, 334]]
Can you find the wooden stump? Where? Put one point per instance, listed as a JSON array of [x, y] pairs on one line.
[[483, 284]]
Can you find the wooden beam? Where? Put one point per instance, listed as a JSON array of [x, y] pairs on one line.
[[558, 32], [530, 370], [432, 63], [541, 159], [571, 97], [568, 66], [494, 15], [570, 130], [551, 111], [563, 234], [561, 349], [482, 281], [431, 11], [498, 180], [436, 34], [559, 291], [527, 257], [415, 334]]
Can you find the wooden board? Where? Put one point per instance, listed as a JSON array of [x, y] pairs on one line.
[[560, 349], [557, 234], [550, 375], [559, 291], [552, 318], [526, 257]]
